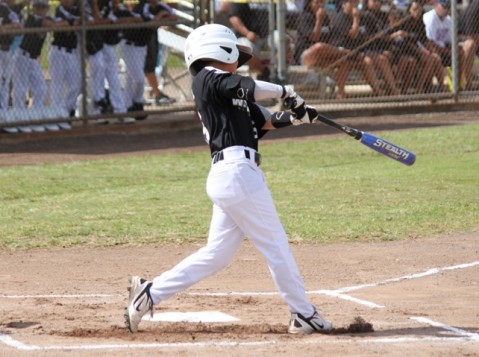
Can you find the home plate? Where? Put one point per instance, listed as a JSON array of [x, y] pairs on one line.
[[200, 316]]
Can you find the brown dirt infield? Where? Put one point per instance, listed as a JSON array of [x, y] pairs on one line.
[[419, 295]]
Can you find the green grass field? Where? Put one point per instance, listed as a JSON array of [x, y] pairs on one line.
[[326, 190]]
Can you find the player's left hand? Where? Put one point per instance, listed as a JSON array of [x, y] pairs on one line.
[[304, 115]]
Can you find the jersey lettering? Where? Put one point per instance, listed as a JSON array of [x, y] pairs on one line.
[[239, 103]]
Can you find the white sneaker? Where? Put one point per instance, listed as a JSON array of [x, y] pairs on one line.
[[126, 120], [307, 325], [51, 127], [10, 130], [139, 302], [65, 125], [38, 128], [25, 129]]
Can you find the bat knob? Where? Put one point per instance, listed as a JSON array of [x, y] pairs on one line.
[[289, 103]]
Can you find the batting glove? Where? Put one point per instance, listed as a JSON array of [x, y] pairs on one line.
[[304, 115]]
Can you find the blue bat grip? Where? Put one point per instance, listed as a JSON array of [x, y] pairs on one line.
[[389, 149]]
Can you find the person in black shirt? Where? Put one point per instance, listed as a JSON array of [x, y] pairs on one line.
[[28, 72], [133, 51], [153, 53], [242, 203], [9, 20], [64, 61], [346, 35], [250, 23], [312, 36], [372, 22]]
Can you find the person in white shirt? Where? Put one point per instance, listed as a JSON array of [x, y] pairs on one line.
[[438, 24]]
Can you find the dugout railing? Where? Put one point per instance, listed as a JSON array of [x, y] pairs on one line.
[[317, 84]]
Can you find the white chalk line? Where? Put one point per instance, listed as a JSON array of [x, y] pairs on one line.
[[471, 335], [213, 344], [57, 296], [339, 293], [467, 336]]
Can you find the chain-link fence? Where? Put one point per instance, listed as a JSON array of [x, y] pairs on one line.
[[374, 52], [95, 61]]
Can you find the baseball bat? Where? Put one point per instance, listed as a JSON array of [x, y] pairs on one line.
[[374, 142]]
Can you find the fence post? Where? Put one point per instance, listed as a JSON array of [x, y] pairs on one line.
[[281, 25], [456, 73], [83, 59]]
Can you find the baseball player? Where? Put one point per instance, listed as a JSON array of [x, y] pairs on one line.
[[133, 51], [65, 64], [242, 203], [28, 73], [9, 20], [111, 38]]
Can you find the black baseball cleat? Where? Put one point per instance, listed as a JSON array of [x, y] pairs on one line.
[[138, 107], [139, 302], [307, 325]]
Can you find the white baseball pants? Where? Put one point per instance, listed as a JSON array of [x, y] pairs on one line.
[[111, 74], [28, 76], [134, 57], [65, 71], [243, 206], [7, 63]]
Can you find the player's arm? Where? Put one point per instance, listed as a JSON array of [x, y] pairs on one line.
[[300, 112]]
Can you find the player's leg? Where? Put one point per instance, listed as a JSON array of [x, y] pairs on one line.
[[56, 68], [73, 79], [265, 231], [111, 75], [97, 82], [224, 240], [20, 84], [38, 87]]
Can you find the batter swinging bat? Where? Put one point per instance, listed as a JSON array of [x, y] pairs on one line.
[[382, 146]]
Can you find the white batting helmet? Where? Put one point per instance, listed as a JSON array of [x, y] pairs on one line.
[[214, 42]]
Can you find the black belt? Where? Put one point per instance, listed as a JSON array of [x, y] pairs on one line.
[[131, 43], [66, 49], [219, 155]]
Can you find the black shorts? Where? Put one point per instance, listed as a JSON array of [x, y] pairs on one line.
[[151, 55]]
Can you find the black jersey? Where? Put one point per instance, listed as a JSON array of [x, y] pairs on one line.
[[66, 39], [305, 29], [225, 103], [33, 42], [255, 16]]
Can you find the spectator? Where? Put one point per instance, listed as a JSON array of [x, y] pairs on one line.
[[165, 13], [250, 23], [345, 36], [111, 99], [222, 11], [415, 42], [469, 22], [133, 51], [65, 65], [374, 21], [313, 34], [9, 20], [438, 25], [28, 72]]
